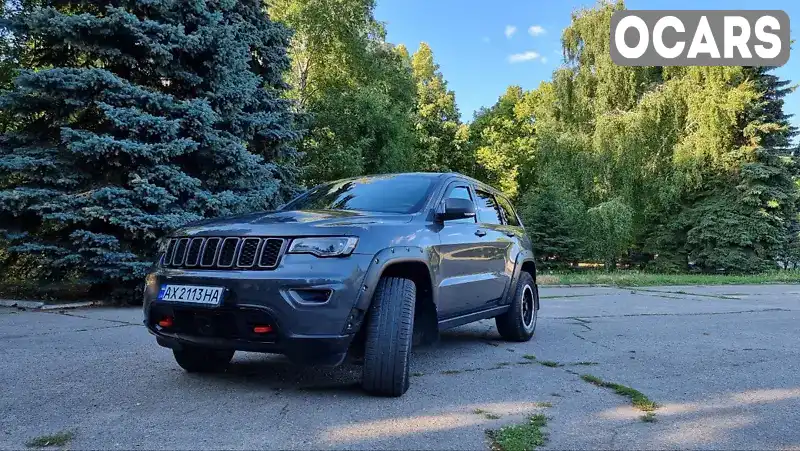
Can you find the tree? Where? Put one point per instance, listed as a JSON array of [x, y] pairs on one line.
[[8, 63], [441, 144], [355, 88], [555, 220], [141, 117], [611, 231], [698, 156]]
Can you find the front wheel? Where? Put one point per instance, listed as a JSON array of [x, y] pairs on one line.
[[203, 360], [519, 322], [390, 327]]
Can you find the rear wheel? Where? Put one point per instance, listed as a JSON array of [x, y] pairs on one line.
[[519, 322], [203, 360], [390, 327]]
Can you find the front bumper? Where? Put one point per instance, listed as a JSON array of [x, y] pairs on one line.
[[306, 332]]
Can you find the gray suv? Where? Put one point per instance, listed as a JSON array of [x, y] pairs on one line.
[[363, 267]]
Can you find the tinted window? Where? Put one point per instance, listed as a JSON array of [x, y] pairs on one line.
[[461, 192], [386, 194], [487, 208], [508, 211]]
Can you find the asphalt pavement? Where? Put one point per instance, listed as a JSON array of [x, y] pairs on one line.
[[723, 364]]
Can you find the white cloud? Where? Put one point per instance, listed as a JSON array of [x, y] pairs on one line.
[[522, 57], [544, 60], [536, 30], [486, 39], [510, 30]]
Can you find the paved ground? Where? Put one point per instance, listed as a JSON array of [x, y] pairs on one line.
[[723, 363]]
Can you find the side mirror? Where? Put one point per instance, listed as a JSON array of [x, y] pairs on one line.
[[456, 209]]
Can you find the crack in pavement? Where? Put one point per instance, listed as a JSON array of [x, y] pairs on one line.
[[629, 315], [716, 296], [97, 319], [583, 325], [67, 331]]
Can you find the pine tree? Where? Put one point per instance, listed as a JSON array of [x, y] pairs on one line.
[[143, 116]]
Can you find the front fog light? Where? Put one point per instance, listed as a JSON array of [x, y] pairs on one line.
[[324, 246]]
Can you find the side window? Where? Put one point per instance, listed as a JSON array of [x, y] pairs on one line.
[[460, 192], [508, 211], [487, 208]]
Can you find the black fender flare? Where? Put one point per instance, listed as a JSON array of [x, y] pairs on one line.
[[386, 258], [525, 256]]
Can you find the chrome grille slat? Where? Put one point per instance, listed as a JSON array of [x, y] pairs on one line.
[[193, 252], [248, 252], [227, 252], [271, 252], [180, 252], [255, 253], [209, 252], [170, 251]]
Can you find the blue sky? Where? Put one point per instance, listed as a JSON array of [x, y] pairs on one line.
[[483, 46]]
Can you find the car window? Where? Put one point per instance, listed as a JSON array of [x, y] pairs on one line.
[[383, 194], [508, 211], [488, 210], [461, 192]]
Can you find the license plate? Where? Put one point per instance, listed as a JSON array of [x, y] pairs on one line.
[[191, 294]]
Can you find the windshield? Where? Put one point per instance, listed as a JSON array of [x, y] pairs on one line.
[[385, 194]]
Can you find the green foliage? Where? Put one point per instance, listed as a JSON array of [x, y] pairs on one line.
[[608, 230], [503, 137], [644, 279], [441, 138], [133, 118], [521, 437], [676, 167], [356, 89], [555, 220], [638, 399]]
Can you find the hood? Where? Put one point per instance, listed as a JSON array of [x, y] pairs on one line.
[[291, 223]]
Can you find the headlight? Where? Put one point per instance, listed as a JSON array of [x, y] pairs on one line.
[[324, 246]]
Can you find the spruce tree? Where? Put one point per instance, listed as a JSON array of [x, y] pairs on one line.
[[141, 117]]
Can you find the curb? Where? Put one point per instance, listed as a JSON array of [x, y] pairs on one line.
[[37, 305]]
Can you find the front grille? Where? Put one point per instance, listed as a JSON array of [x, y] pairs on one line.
[[224, 253]]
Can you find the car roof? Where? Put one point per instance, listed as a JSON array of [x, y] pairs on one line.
[[431, 175]]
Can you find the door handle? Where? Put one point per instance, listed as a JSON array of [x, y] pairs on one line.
[[480, 232]]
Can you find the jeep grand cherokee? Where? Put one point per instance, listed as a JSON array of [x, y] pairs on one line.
[[364, 267]]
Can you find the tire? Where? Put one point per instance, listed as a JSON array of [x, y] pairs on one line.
[[203, 360], [519, 322], [389, 332]]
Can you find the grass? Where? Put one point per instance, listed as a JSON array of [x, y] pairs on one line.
[[638, 399], [520, 437], [550, 363], [585, 363], [642, 279], [58, 439], [544, 404], [451, 371], [649, 417], [529, 357], [417, 374], [486, 414]]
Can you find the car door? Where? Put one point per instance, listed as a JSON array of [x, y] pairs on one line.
[[513, 228], [465, 282], [499, 242]]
